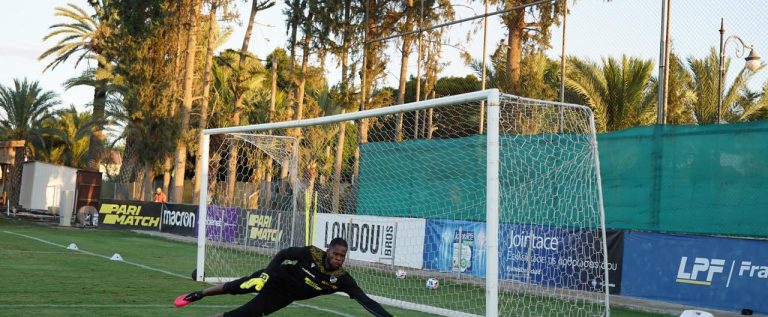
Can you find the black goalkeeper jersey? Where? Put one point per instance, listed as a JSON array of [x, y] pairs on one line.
[[307, 278]]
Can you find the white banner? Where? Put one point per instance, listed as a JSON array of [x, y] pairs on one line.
[[386, 240]]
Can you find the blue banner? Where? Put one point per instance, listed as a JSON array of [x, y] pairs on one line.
[[455, 246], [723, 273], [544, 255], [221, 224], [554, 256]]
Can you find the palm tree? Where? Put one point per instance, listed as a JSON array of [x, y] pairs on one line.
[[84, 37], [69, 131], [705, 75], [751, 106], [25, 107], [617, 91], [680, 92]]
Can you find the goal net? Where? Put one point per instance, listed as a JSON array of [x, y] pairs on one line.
[[477, 204]]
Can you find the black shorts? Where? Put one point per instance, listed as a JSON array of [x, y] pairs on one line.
[[269, 300]]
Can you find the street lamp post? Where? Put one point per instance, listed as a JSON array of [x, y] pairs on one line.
[[752, 63]]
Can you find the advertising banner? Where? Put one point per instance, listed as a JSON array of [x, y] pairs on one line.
[[129, 215], [615, 259], [543, 255], [265, 228], [388, 240], [723, 273], [221, 224], [179, 219], [560, 257], [455, 246]]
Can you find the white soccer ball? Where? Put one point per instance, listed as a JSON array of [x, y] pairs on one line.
[[400, 273], [433, 283]]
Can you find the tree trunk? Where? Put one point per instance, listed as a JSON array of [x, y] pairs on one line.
[[125, 174], [96, 140], [266, 185], [406, 52], [338, 162], [139, 193], [167, 165], [284, 181], [365, 85], [303, 75], [337, 167], [514, 51], [232, 163], [419, 61], [148, 178], [169, 161], [212, 37], [189, 73]]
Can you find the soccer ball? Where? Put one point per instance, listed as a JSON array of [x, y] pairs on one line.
[[433, 283], [400, 273]]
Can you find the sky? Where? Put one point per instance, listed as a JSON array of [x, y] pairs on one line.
[[595, 29]]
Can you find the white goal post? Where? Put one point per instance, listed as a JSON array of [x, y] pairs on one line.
[[495, 196]]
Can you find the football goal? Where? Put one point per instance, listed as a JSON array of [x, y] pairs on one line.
[[478, 204]]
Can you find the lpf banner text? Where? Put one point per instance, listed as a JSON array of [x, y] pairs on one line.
[[723, 273]]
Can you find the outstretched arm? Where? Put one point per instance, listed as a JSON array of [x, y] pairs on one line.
[[257, 283], [369, 304]]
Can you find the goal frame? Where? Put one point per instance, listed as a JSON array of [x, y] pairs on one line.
[[491, 98]]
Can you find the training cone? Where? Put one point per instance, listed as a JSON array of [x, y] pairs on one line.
[[116, 257], [72, 246], [180, 302]]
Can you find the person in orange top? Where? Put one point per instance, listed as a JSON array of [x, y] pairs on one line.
[[160, 196]]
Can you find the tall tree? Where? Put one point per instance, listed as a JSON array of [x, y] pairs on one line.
[[411, 16], [705, 72], [187, 99], [84, 37], [680, 92], [26, 106], [143, 51], [204, 102], [239, 91], [617, 91], [69, 132], [377, 23], [526, 24], [752, 106]]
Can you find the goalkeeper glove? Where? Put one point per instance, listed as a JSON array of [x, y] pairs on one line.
[[185, 300], [194, 296], [256, 283]]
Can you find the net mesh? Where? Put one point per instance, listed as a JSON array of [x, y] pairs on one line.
[[408, 193]]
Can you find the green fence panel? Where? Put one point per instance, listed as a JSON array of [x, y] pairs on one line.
[[693, 179]]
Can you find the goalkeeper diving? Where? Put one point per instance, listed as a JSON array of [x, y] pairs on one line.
[[316, 272]]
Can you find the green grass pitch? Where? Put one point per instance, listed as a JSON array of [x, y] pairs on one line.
[[40, 277]]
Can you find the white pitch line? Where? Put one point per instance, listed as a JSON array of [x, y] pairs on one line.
[[99, 255], [323, 310], [34, 252], [144, 267]]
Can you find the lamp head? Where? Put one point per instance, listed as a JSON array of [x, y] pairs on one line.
[[753, 60]]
